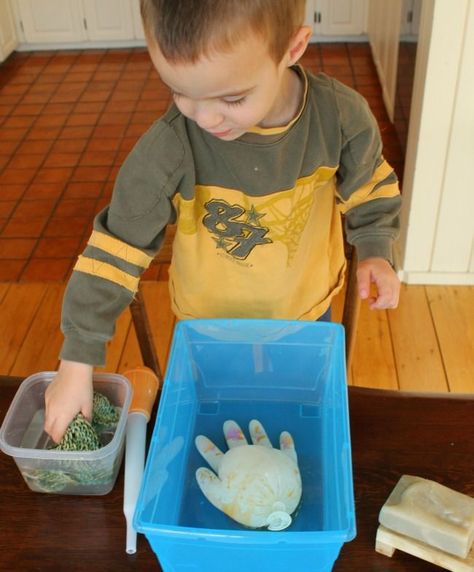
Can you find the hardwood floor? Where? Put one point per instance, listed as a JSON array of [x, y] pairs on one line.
[[425, 345], [58, 161]]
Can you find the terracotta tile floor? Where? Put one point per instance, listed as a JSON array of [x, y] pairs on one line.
[[67, 121]]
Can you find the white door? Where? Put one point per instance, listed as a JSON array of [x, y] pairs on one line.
[[8, 39], [51, 20], [108, 19], [337, 17], [137, 20]]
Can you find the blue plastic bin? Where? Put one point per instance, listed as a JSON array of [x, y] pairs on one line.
[[289, 375]]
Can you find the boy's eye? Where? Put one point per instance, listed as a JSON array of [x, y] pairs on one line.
[[235, 101], [230, 102]]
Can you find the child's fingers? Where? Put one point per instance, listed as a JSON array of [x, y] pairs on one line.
[[384, 302], [69, 393], [56, 427], [387, 296], [363, 282], [377, 273], [87, 411]]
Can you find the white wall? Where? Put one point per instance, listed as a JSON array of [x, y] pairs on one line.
[[437, 217], [383, 28]]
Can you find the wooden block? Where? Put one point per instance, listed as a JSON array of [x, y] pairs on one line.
[[387, 542]]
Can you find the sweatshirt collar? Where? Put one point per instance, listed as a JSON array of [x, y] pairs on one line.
[[271, 132]]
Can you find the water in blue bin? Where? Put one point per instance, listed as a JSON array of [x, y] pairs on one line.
[[302, 422]]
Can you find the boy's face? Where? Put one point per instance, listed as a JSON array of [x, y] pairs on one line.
[[226, 94]]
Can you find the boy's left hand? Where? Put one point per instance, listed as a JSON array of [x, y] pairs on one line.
[[378, 271]]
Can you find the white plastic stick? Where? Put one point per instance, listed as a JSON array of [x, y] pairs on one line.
[[145, 384], [134, 463]]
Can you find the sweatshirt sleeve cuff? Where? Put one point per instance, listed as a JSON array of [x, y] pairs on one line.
[[374, 247], [77, 348]]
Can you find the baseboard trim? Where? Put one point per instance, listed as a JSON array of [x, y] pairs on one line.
[[137, 43], [437, 278], [106, 44]]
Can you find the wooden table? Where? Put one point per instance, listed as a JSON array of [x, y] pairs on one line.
[[392, 434]]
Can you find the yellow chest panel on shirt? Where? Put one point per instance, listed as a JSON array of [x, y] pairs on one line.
[[239, 223], [237, 255]]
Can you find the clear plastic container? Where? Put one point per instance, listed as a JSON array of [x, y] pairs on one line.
[[290, 376], [63, 472]]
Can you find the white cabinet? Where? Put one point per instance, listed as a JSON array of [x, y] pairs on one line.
[[108, 19], [96, 22], [44, 21], [8, 39], [411, 10], [337, 18], [103, 23]]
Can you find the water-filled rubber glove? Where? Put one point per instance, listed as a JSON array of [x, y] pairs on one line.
[[256, 485]]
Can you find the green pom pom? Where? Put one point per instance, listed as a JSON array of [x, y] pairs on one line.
[[103, 412], [80, 436]]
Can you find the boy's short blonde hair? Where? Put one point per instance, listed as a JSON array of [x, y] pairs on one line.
[[185, 30]]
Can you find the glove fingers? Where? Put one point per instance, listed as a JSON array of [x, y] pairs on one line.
[[233, 434], [258, 434], [287, 445], [211, 487], [212, 454]]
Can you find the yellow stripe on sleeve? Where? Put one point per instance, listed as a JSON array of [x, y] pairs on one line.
[[367, 193], [107, 272], [119, 249]]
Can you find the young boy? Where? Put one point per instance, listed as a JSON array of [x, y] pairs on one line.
[[255, 162]]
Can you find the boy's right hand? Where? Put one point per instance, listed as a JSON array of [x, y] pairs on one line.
[[68, 394]]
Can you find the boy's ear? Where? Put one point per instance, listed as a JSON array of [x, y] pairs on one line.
[[298, 45]]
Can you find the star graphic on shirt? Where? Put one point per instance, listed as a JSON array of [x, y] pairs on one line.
[[253, 216], [221, 243]]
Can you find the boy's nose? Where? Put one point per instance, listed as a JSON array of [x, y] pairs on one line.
[[206, 117]]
